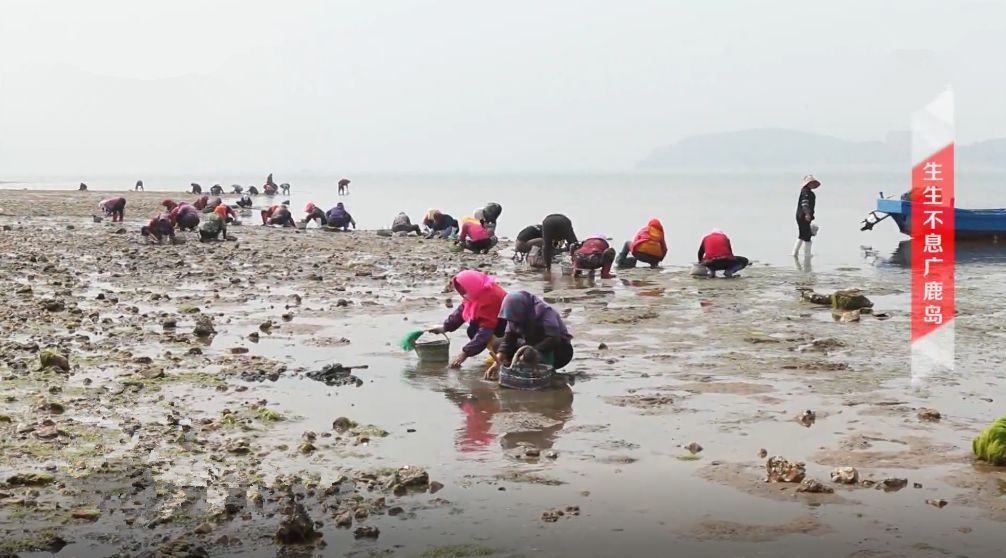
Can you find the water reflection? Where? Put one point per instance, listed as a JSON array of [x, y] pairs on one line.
[[491, 414], [644, 288]]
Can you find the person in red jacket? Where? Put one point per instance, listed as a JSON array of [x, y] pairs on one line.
[[594, 253], [716, 254]]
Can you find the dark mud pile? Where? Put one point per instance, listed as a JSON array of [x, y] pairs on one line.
[[158, 400]]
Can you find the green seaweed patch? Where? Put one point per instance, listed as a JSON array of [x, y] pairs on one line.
[[266, 414], [370, 431], [188, 309], [204, 379], [43, 540], [687, 457], [457, 551], [990, 444]]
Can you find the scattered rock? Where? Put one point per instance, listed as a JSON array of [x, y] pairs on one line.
[[30, 479], [931, 415], [49, 357], [845, 475], [807, 418], [763, 453], [937, 502], [342, 424], [366, 532], [296, 527], [435, 487], [781, 470], [88, 514], [892, 484], [814, 487], [204, 528], [694, 447], [204, 326], [344, 520]]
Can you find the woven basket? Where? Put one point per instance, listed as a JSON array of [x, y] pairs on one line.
[[438, 350], [527, 377]]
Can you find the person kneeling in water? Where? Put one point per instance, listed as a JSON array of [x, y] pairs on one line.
[[594, 253], [530, 321], [716, 254]]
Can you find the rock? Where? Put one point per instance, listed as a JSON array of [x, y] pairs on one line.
[[52, 407], [307, 448], [204, 326], [344, 520], [551, 516], [763, 453], [435, 487], [551, 454], [814, 487], [694, 447], [807, 418], [602, 347], [48, 431], [265, 326], [169, 323], [151, 373], [49, 357], [30, 479], [781, 470], [239, 447], [846, 316], [937, 502], [342, 303], [89, 514], [845, 475], [916, 485], [238, 350], [23, 290], [366, 532], [204, 529], [143, 360], [296, 527], [342, 424], [395, 511], [931, 415], [892, 484], [532, 452], [413, 477], [850, 300], [53, 305]]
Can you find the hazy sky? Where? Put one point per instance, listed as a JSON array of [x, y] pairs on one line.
[[444, 85]]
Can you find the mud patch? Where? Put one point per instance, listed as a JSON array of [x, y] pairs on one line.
[[751, 481], [741, 532]]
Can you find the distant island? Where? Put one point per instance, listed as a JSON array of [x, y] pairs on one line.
[[783, 150]]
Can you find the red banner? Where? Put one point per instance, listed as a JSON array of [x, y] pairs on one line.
[[932, 242]]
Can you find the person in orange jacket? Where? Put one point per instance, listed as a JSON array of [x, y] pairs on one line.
[[648, 246]]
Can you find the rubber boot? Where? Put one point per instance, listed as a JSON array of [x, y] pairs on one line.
[[621, 260], [796, 247], [806, 248]]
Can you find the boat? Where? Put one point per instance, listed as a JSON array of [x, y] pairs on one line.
[[982, 225]]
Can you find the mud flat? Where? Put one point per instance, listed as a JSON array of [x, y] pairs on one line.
[[156, 401]]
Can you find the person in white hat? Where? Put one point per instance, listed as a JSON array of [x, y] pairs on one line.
[[805, 215]]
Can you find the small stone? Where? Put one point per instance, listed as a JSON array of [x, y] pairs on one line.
[[845, 475], [342, 303], [694, 447], [366, 532], [238, 350], [532, 452], [435, 487], [807, 418], [343, 423], [892, 484], [344, 520], [931, 415], [602, 347], [395, 511], [88, 514], [937, 502], [812, 486], [307, 448], [266, 325], [169, 323], [30, 479], [916, 485], [781, 470], [763, 453], [551, 454], [151, 373]]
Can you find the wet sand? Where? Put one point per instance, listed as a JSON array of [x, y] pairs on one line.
[[157, 439]]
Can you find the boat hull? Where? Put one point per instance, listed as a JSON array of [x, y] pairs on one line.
[[980, 225]]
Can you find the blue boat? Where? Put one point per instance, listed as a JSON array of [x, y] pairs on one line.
[[985, 225]]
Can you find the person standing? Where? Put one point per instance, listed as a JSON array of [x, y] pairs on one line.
[[805, 207]]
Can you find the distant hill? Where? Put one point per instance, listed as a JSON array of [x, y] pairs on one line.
[[785, 150]]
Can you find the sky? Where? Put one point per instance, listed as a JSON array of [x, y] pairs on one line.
[[466, 85]]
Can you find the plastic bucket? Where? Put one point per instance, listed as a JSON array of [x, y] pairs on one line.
[[438, 350], [527, 377]]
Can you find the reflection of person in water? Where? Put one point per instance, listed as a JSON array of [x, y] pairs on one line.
[[486, 409]]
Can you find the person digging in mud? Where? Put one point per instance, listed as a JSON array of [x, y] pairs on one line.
[[201, 202], [226, 212], [158, 229], [185, 217], [285, 188], [237, 189], [278, 214], [339, 218], [473, 236], [217, 190], [439, 224], [314, 213], [168, 204], [556, 230], [648, 247], [82, 187], [344, 186], [114, 207], [530, 321], [196, 189], [481, 300], [528, 238], [805, 206], [593, 254], [269, 189], [252, 191], [402, 224], [211, 205], [139, 186], [213, 227], [489, 217], [245, 202], [716, 254]]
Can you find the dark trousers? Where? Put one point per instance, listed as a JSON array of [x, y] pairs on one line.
[[803, 228], [733, 264], [188, 221], [479, 245], [602, 261], [625, 261], [406, 229], [555, 228]]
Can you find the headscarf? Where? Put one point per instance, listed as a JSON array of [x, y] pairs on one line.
[[309, 207], [431, 214], [167, 203], [655, 223], [340, 206], [517, 307], [809, 179], [717, 231], [482, 296], [478, 214]]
